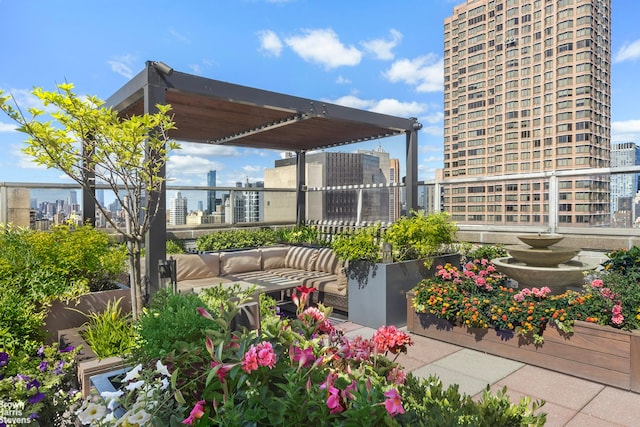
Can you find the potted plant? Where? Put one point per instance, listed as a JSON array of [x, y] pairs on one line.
[[383, 264]]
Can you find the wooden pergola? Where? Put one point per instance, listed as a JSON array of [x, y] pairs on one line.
[[209, 111]]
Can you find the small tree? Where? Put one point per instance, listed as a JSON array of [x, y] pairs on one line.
[[90, 143]]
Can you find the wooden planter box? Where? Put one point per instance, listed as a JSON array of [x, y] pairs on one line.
[[87, 363], [66, 315], [597, 353]]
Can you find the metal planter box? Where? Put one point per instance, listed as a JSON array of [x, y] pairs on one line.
[[377, 292]]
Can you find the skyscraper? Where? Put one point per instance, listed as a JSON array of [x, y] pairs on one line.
[[211, 194], [527, 89], [178, 213], [624, 187]]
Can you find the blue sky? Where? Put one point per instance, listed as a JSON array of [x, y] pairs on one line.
[[378, 55]]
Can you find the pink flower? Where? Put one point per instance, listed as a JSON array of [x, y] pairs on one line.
[[205, 313], [250, 360], [303, 357], [333, 401], [518, 297], [617, 318], [196, 413], [390, 338], [393, 404], [265, 354], [396, 376], [597, 283]]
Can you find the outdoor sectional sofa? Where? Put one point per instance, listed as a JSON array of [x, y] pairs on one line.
[[313, 267]]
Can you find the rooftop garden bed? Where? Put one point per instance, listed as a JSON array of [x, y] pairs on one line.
[[590, 334]]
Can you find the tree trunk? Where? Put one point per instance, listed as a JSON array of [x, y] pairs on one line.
[[136, 280]]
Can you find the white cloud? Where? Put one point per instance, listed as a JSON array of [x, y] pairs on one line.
[[8, 127], [628, 51], [433, 117], [270, 43], [381, 48], [122, 65], [625, 131], [397, 108], [341, 80], [179, 166], [384, 106], [424, 72], [323, 47]]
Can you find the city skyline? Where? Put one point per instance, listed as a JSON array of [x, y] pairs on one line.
[[310, 50]]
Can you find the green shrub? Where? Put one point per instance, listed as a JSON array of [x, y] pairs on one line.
[[363, 244], [171, 324], [38, 267], [175, 246], [235, 239], [428, 403], [487, 252], [109, 333], [623, 260]]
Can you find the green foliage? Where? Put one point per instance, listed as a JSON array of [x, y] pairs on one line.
[[109, 333], [171, 323], [623, 260], [429, 404], [307, 234], [411, 237], [235, 239], [363, 244], [487, 252], [175, 246], [420, 235], [126, 152], [37, 267]]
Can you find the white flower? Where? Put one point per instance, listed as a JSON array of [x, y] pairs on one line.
[[140, 417], [133, 374], [161, 369], [109, 418], [110, 395], [134, 386], [92, 413], [165, 384]]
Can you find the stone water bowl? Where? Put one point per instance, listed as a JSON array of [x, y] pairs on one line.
[[544, 257], [557, 278], [538, 253], [540, 240]]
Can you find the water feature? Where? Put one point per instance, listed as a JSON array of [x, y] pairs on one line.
[[539, 263]]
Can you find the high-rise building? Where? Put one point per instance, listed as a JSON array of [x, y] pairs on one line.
[[624, 187], [527, 88], [211, 194], [178, 210], [338, 170]]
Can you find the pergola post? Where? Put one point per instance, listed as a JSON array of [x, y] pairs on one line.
[[301, 194], [89, 176], [411, 180], [155, 239]]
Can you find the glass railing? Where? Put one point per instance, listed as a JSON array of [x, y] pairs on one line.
[[587, 201]]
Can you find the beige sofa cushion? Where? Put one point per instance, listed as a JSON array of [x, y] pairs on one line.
[[274, 257], [240, 262], [327, 261], [301, 258], [197, 266]]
